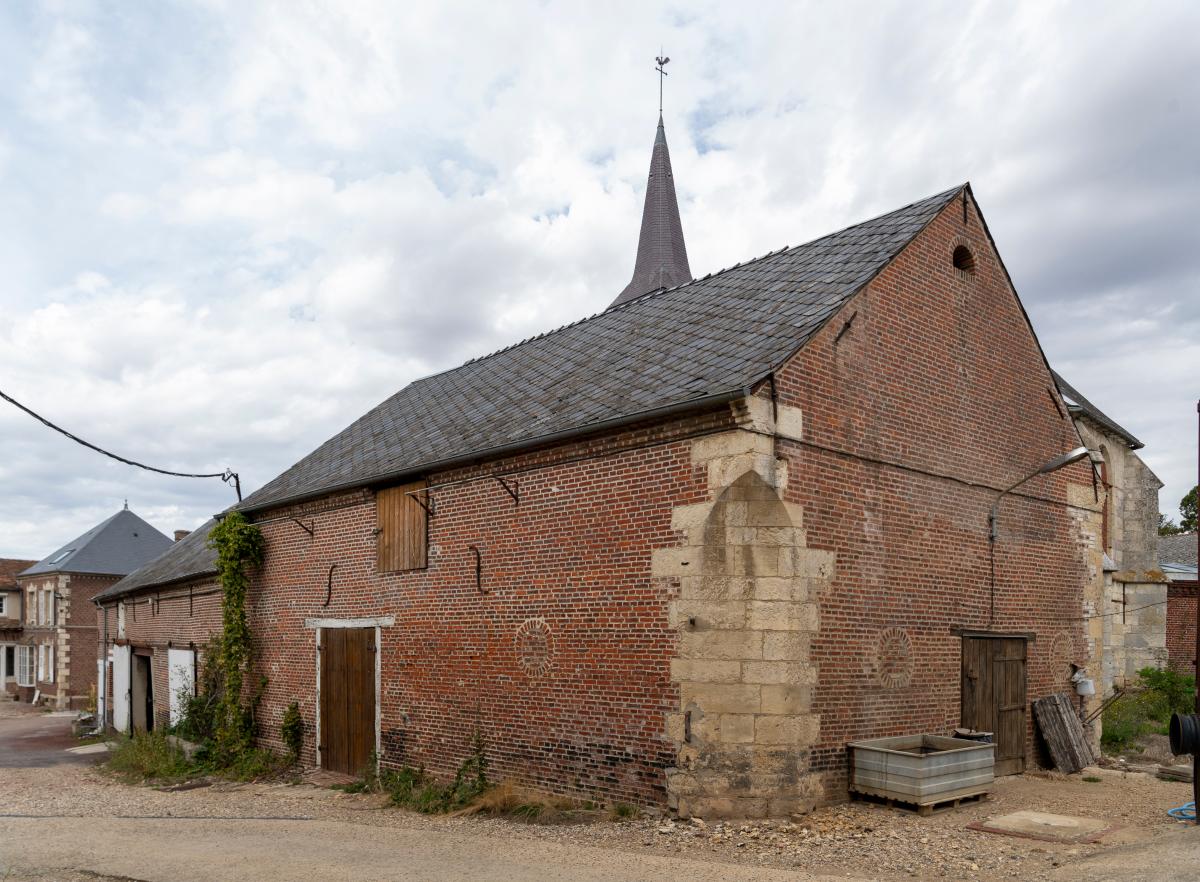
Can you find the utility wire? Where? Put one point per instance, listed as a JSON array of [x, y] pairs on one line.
[[1117, 613], [227, 476]]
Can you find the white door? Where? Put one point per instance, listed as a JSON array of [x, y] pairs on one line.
[[181, 680], [121, 661]]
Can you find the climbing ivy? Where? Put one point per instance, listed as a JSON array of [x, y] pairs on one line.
[[239, 546], [292, 730]]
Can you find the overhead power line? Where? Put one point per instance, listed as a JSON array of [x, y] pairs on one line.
[[228, 476]]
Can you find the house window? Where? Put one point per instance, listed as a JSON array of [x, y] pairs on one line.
[[30, 607], [402, 528], [3, 606], [24, 665]]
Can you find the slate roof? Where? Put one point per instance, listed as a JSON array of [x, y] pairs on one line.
[[662, 260], [116, 546], [1077, 405], [189, 558], [1178, 553], [686, 346]]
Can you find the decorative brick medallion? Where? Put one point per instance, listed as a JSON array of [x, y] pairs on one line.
[[534, 644], [1061, 655], [894, 660]]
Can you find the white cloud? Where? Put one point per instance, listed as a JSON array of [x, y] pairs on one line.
[[235, 226]]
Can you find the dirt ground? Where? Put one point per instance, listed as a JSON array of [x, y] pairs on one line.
[[57, 820]]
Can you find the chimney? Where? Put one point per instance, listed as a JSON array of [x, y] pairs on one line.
[[179, 534]]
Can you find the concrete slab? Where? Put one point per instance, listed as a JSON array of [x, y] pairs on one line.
[[1045, 826], [85, 749]]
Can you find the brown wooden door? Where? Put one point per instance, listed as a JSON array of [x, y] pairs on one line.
[[347, 698], [993, 696]]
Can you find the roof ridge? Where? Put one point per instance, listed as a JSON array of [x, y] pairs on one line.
[[616, 307]]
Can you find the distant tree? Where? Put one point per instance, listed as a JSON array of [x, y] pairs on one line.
[[1167, 527], [1187, 512]]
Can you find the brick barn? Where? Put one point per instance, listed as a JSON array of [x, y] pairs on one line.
[[682, 551], [153, 627]]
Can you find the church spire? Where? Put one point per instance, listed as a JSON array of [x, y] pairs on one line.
[[661, 256]]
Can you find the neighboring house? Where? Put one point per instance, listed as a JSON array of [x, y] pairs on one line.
[[1129, 631], [154, 624], [15, 659], [1177, 559], [59, 626], [682, 551]]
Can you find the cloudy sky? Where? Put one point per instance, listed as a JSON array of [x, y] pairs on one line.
[[229, 228]]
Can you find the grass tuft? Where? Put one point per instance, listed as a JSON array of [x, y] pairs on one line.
[[1146, 709], [149, 756], [622, 811]]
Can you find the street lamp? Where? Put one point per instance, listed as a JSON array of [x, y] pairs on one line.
[[1053, 465]]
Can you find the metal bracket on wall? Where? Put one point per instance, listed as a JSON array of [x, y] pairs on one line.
[[514, 490], [307, 528], [426, 503], [478, 569], [846, 327], [329, 585]]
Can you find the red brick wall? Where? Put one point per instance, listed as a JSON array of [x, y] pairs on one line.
[[937, 393], [157, 620], [80, 620], [1181, 627], [77, 617], [575, 553]]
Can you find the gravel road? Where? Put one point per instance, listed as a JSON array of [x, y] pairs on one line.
[[70, 823]]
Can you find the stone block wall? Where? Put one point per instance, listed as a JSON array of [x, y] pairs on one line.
[[746, 614]]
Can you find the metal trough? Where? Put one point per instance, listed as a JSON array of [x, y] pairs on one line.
[[921, 769]]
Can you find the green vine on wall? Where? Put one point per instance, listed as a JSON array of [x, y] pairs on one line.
[[239, 546]]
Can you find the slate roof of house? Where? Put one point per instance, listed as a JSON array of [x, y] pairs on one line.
[[662, 260], [1177, 555], [1077, 404], [685, 346], [116, 546], [9, 567], [189, 558]]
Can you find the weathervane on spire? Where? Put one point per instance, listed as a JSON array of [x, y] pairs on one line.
[[662, 61]]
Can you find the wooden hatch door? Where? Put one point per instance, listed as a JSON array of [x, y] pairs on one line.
[[993, 696], [347, 698]]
